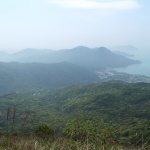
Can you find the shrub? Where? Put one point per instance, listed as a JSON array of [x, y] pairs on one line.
[[91, 130], [44, 131]]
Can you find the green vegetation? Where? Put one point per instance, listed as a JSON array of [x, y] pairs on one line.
[[44, 131], [105, 113], [25, 77]]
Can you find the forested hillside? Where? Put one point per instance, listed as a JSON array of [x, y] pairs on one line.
[[122, 106], [23, 77]]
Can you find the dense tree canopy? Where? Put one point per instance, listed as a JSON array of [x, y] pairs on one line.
[[123, 106]]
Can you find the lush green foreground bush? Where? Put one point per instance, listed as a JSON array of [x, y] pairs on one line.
[[79, 133]]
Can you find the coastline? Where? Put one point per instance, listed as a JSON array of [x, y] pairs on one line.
[[142, 68]]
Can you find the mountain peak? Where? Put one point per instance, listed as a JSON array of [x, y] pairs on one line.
[[81, 47]]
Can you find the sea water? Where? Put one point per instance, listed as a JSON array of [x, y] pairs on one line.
[[141, 69]]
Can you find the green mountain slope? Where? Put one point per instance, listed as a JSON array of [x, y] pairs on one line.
[[30, 76], [124, 106]]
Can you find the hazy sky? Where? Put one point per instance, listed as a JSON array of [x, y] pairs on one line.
[[58, 24]]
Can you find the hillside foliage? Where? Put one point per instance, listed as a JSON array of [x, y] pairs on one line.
[[116, 109]]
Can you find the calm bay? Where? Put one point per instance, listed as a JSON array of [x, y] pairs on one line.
[[141, 69]]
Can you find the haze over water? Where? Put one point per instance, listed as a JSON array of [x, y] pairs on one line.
[[143, 68]]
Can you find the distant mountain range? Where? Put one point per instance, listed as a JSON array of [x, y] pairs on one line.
[[123, 54], [93, 59]]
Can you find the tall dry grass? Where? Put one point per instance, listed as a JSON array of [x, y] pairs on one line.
[[31, 142]]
